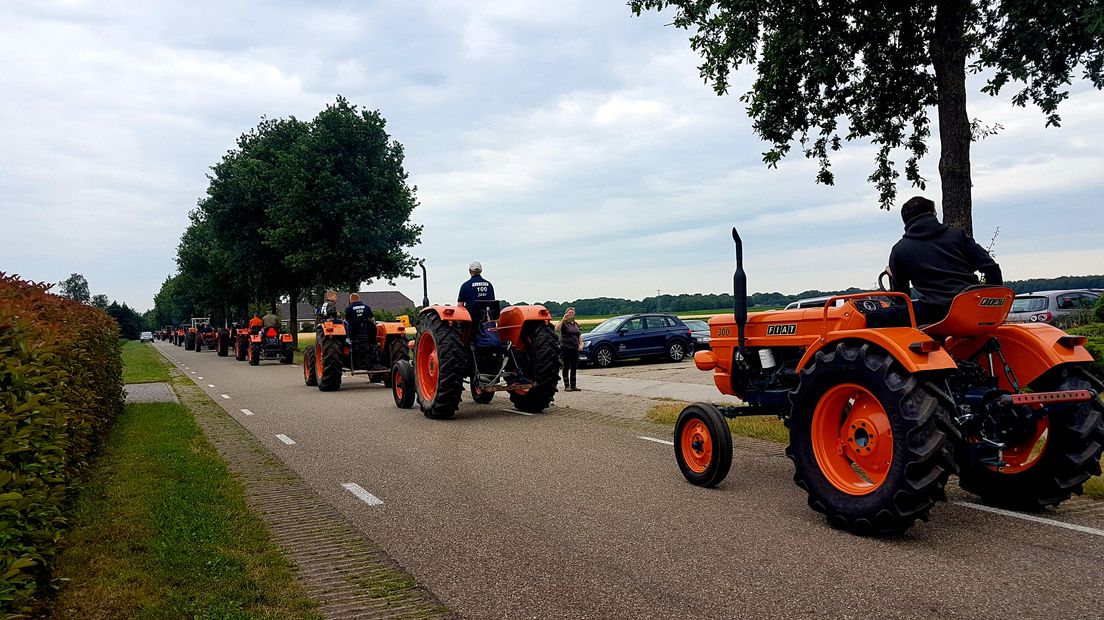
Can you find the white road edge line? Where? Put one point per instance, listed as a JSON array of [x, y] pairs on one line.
[[517, 412], [1017, 515], [284, 438], [226, 396], [361, 494], [210, 385], [247, 412], [656, 440]]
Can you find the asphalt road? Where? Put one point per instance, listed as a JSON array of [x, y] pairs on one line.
[[562, 516]]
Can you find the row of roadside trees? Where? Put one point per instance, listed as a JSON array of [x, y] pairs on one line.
[[297, 207]]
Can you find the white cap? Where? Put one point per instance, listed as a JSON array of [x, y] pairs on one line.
[[475, 266]]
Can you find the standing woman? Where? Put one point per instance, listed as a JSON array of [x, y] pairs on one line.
[[571, 342]]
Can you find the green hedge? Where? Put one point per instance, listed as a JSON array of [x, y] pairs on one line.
[[60, 389]]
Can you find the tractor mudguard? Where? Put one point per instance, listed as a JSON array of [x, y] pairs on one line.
[[513, 318], [1031, 349], [387, 330], [895, 340], [254, 338], [448, 313], [333, 328], [285, 337]]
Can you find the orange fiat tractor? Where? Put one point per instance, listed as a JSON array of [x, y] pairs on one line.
[[879, 419], [269, 343], [492, 349], [334, 353]]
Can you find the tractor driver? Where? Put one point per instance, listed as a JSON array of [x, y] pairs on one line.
[[938, 260], [476, 288], [328, 309], [270, 320], [256, 322], [361, 321]]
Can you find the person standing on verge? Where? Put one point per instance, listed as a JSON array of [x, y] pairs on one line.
[[571, 342]]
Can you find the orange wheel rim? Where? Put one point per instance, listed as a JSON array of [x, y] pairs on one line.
[[427, 366], [397, 382], [697, 446], [306, 370], [1026, 454], [852, 439]]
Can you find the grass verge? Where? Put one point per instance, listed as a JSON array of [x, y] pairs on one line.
[[162, 530], [142, 363]]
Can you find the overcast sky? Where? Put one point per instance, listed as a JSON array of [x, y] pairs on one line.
[[570, 147]]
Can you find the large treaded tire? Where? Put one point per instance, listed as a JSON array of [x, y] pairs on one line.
[[329, 379], [189, 342], [1075, 439], [397, 350], [309, 376], [255, 355], [920, 434], [222, 343], [241, 348], [440, 401], [542, 360]]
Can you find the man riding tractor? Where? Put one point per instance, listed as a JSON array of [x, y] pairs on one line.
[[358, 345], [267, 342]]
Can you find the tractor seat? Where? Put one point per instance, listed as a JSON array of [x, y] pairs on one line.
[[976, 311], [484, 310]]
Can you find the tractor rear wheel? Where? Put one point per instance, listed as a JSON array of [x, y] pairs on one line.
[[1055, 458], [871, 443], [542, 360], [703, 445], [402, 384], [310, 377], [255, 355], [397, 349], [328, 364], [241, 348], [189, 342], [440, 359], [222, 343], [287, 355]]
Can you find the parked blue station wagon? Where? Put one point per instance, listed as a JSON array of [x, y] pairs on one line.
[[637, 335]]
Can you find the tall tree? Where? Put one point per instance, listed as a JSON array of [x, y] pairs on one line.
[[100, 301], [881, 66], [130, 322], [75, 287]]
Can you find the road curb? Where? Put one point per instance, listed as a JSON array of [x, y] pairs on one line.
[[348, 575]]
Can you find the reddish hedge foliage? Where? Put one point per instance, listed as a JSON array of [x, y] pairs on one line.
[[61, 387]]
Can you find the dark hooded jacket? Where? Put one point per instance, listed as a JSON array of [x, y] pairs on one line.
[[939, 261]]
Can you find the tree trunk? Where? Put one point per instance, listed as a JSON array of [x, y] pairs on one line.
[[293, 317], [948, 51]]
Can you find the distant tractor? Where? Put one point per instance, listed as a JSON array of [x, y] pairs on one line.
[[268, 343], [879, 419], [334, 353], [511, 349]]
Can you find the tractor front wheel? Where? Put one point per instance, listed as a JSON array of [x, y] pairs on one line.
[[440, 359], [479, 395], [542, 360], [328, 364], [1055, 457], [402, 384], [310, 377], [703, 445], [871, 443]]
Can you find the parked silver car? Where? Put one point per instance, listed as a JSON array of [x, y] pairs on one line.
[[1053, 307]]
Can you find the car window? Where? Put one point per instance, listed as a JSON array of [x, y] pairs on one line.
[[606, 326], [1029, 304], [633, 325], [658, 322], [1087, 301], [697, 325], [1067, 302]]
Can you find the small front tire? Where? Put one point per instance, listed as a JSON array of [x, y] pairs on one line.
[[703, 445], [402, 384]]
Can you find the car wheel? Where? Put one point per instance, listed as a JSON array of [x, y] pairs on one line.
[[676, 351], [603, 357]]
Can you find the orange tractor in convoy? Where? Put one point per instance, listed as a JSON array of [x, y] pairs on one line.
[[492, 349], [879, 419], [334, 353]]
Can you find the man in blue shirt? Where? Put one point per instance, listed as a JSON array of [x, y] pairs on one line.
[[476, 288]]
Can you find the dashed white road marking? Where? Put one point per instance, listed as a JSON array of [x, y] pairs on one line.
[[199, 377], [247, 412], [193, 372], [517, 412], [210, 385], [1026, 517], [665, 442], [284, 438], [226, 396], [361, 494], [186, 368]]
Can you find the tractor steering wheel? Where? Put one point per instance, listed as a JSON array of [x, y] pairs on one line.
[[881, 281]]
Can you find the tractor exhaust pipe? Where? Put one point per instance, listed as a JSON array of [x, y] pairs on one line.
[[739, 291], [425, 284]]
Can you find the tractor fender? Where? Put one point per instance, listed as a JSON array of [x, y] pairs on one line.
[[513, 318], [448, 313], [387, 330], [333, 328], [895, 340], [1031, 349]]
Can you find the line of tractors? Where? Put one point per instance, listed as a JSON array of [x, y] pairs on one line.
[[246, 344], [878, 418]]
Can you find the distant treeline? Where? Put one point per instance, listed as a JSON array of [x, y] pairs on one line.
[[698, 301]]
